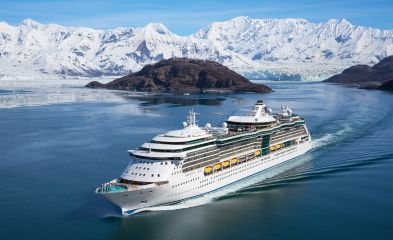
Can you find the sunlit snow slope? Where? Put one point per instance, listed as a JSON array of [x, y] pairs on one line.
[[276, 49]]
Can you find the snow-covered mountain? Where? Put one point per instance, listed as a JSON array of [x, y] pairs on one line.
[[258, 48]]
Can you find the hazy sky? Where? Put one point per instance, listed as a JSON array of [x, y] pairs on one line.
[[184, 17]]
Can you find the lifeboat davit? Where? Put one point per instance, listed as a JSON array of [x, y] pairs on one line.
[[225, 163], [234, 161], [258, 152], [217, 166], [208, 169]]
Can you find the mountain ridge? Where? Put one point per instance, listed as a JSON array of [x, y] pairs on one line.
[[277, 49]]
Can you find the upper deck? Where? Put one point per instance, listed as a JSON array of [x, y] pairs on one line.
[[175, 144], [259, 115]]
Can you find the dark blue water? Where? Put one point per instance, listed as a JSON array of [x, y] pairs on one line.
[[53, 156]]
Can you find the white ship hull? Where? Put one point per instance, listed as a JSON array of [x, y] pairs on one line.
[[194, 183]]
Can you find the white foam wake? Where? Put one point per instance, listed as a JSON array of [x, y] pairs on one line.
[[330, 138]]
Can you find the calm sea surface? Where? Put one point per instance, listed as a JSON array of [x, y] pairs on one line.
[[57, 145]]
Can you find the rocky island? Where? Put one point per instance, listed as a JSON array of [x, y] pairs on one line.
[[386, 86], [379, 76], [183, 75]]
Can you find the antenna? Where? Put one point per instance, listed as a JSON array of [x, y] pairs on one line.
[[191, 119]]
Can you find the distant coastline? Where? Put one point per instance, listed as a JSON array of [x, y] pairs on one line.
[[379, 76]]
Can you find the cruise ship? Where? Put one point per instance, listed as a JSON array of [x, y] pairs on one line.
[[192, 161]]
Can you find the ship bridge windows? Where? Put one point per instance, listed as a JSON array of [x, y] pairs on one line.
[[159, 150], [158, 158], [182, 143], [175, 150]]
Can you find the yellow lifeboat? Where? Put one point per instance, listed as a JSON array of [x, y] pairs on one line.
[[278, 146], [272, 148], [233, 160], [208, 169], [225, 163], [258, 152], [217, 166]]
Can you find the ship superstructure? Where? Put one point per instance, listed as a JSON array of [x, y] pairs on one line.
[[194, 160]]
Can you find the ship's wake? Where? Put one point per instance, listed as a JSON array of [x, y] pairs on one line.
[[331, 138]]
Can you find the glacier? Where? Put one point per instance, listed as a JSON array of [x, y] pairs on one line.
[[270, 49]]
